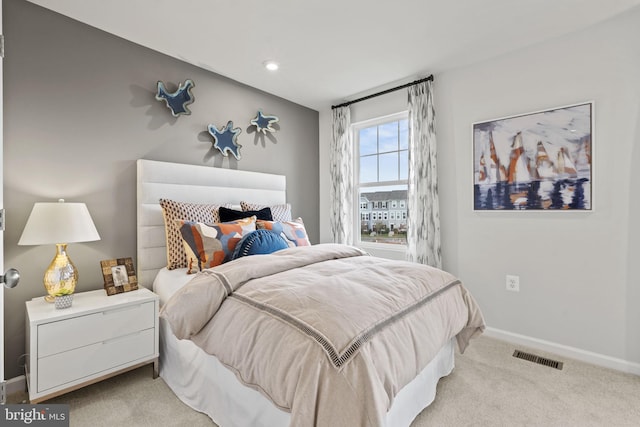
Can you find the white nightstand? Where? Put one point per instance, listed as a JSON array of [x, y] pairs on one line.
[[98, 337]]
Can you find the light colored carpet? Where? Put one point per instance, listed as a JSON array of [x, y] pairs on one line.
[[488, 387]]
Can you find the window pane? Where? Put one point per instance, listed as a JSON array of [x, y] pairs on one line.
[[404, 134], [388, 134], [368, 141], [404, 165], [369, 169], [383, 157], [389, 167], [379, 224]]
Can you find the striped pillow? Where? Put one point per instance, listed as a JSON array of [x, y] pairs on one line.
[[209, 245], [173, 210], [278, 212]]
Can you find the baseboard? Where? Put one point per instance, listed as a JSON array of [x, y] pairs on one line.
[[17, 384], [566, 351]]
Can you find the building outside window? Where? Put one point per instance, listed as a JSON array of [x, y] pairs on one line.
[[382, 170]]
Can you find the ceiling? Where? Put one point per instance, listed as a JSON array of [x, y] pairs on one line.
[[330, 51]]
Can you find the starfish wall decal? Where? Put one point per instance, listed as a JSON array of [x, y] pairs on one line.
[[177, 101], [226, 140], [263, 123]]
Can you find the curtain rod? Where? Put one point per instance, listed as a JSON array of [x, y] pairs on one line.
[[384, 92]]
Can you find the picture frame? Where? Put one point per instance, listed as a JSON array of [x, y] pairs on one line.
[[538, 161], [119, 275]]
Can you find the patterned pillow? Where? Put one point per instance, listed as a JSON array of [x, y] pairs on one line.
[[293, 231], [278, 212], [259, 242], [209, 245], [172, 210], [227, 214]]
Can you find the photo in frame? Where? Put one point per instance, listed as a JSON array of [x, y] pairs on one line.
[[540, 161], [119, 275]]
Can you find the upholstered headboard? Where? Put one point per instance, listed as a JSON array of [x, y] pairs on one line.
[[194, 184]]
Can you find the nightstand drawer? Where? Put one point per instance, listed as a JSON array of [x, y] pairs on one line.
[[73, 365], [69, 334]]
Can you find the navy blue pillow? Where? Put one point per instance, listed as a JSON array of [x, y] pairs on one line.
[[259, 242], [227, 214]]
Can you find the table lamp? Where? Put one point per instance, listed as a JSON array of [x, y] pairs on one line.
[[55, 223]]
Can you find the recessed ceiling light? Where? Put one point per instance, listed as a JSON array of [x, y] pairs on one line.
[[271, 65]]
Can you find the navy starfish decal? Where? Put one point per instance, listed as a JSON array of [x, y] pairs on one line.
[[178, 100], [226, 140], [263, 123]]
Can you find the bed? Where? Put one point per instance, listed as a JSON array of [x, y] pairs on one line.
[[230, 394]]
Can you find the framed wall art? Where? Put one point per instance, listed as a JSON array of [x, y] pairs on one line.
[[119, 275], [540, 161]]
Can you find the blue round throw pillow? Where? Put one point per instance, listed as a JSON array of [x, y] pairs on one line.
[[259, 242]]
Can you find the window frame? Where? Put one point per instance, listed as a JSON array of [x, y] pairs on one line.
[[355, 129]]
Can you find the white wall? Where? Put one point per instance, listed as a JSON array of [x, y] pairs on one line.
[[579, 274]]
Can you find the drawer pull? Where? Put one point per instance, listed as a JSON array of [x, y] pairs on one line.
[[120, 310]]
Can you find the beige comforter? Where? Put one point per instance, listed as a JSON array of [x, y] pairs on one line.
[[325, 332]]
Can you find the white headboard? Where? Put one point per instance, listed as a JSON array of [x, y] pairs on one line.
[[195, 184]]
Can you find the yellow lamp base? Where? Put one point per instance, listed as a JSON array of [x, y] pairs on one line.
[[62, 276]]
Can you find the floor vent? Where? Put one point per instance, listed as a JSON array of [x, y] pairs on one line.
[[537, 359]]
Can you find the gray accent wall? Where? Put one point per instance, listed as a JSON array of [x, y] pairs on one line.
[[79, 109], [579, 272]]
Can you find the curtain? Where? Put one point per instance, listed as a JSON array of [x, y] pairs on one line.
[[423, 218], [341, 169]]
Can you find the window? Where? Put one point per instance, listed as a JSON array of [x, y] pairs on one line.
[[382, 158]]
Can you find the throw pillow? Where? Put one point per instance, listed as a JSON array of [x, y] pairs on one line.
[[173, 210], [259, 242], [209, 245]]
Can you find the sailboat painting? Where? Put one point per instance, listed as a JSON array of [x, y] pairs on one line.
[[538, 161]]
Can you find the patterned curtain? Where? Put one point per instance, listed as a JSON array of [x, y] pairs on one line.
[[341, 169], [423, 218]]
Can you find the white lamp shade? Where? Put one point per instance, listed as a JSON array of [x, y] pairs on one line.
[[60, 222]]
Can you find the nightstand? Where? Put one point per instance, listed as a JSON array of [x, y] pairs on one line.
[[98, 337]]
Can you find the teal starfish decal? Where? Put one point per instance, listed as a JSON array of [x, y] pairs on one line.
[[263, 123], [226, 140]]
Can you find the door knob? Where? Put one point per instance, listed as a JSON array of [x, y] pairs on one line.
[[11, 278]]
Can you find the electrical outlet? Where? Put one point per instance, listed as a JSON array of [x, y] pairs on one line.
[[513, 283]]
